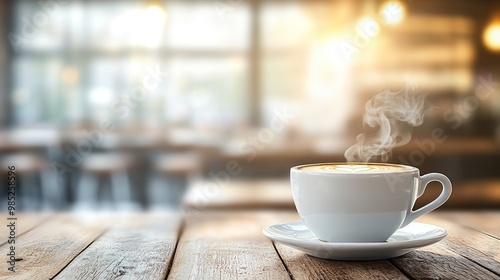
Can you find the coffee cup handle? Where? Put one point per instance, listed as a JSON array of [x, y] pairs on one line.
[[440, 200]]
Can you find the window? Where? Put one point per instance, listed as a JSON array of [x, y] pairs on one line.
[[90, 54]]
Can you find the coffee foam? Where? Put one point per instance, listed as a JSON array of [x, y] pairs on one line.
[[355, 168]]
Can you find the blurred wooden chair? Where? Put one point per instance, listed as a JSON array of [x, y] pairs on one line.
[[169, 179], [37, 187], [106, 174]]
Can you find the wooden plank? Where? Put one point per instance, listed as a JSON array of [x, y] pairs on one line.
[[46, 249], [24, 223], [438, 262], [140, 246], [463, 254], [484, 221], [470, 243], [302, 266], [227, 246]]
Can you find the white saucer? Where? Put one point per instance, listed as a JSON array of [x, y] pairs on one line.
[[404, 240]]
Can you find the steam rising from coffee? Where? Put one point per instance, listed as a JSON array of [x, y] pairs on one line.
[[394, 114]]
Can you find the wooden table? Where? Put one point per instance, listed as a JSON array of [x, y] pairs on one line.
[[228, 245]]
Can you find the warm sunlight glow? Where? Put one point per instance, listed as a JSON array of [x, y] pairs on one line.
[[491, 36], [337, 58], [368, 27], [393, 12], [154, 15], [329, 68], [150, 26], [328, 85]]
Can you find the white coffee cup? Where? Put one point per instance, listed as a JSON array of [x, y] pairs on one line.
[[361, 202]]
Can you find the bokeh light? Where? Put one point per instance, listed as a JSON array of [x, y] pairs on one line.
[[393, 12], [491, 36]]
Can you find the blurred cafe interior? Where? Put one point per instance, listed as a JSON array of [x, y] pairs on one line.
[[140, 105]]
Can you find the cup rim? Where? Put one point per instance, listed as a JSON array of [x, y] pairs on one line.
[[408, 168]]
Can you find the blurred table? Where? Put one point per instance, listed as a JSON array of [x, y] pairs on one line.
[[23, 140], [229, 245], [239, 194]]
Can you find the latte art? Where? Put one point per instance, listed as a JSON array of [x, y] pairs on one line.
[[354, 168]]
